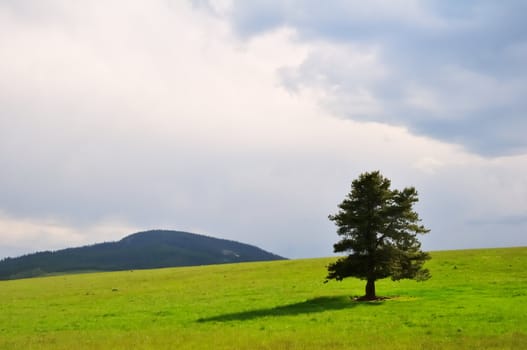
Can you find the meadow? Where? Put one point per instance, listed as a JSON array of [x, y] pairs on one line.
[[476, 299]]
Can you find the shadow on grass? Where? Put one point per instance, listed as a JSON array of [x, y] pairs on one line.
[[309, 306]]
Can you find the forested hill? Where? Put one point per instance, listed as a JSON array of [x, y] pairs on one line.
[[143, 250]]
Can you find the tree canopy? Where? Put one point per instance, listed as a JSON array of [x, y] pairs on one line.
[[378, 229]]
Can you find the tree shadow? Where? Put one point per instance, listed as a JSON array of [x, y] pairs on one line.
[[309, 306]]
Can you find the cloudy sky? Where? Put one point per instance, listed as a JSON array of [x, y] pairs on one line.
[[248, 120]]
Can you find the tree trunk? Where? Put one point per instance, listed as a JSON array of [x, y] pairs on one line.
[[370, 290]]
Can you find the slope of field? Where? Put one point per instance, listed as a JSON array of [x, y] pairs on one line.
[[142, 250], [476, 299]]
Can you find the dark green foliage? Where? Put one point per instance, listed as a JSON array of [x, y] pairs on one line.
[[379, 230], [143, 250]]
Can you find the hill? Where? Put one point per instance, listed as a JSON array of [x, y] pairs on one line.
[[476, 299], [142, 250]]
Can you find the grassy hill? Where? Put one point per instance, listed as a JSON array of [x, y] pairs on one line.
[[476, 299], [142, 250]]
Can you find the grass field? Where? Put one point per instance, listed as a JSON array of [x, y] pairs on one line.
[[476, 299]]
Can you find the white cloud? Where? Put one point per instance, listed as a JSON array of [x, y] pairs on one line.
[[447, 70], [27, 235], [477, 203], [158, 116], [343, 77]]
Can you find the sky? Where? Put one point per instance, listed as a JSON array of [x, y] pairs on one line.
[[248, 120]]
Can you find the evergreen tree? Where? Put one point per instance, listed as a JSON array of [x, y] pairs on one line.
[[379, 231]]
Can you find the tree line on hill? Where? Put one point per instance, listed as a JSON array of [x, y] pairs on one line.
[[143, 250]]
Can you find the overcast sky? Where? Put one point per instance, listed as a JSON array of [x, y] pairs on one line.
[[248, 120]]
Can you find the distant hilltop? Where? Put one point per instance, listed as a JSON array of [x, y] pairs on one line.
[[142, 250]]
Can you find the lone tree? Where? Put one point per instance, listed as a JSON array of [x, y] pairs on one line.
[[379, 230]]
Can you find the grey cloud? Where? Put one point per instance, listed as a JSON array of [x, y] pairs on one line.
[[468, 56], [508, 220], [109, 123]]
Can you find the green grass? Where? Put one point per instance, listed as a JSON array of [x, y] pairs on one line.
[[476, 299]]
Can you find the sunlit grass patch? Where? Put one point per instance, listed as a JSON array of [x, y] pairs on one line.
[[475, 300]]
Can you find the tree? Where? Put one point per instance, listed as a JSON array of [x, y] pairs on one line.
[[379, 230]]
